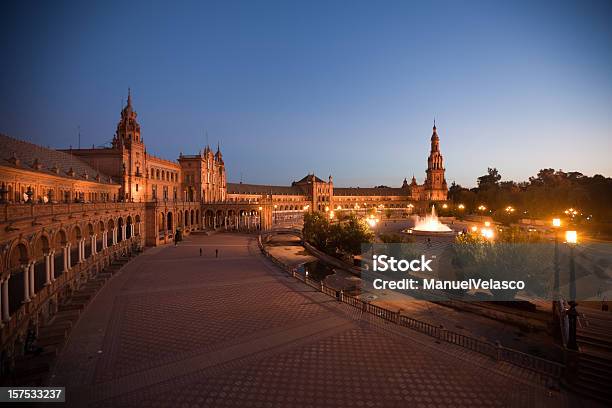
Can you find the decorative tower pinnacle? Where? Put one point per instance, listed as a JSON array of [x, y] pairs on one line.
[[128, 129], [435, 183]]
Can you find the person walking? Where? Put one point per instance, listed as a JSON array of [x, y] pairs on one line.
[[216, 253], [200, 251]]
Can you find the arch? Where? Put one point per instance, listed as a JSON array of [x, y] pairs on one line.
[[42, 245], [76, 234], [209, 218], [128, 229], [100, 236], [18, 255], [109, 236], [161, 221], [197, 216], [137, 229], [192, 220], [169, 223], [60, 239], [120, 230], [187, 218], [40, 249]]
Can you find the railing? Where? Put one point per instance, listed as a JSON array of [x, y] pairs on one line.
[[496, 351], [13, 212]]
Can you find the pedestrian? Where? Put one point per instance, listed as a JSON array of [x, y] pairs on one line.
[[216, 253], [200, 251], [428, 242]]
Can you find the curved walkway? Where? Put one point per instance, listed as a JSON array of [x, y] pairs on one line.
[[176, 329]]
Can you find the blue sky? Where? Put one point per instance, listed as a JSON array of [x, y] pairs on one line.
[[342, 87]]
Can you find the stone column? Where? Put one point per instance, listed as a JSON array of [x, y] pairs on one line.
[[115, 236], [48, 261], [5, 300], [104, 239], [66, 257], [26, 282], [139, 228], [123, 230], [132, 229], [94, 250], [52, 265], [32, 280]]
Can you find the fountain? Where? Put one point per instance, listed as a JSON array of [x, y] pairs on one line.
[[430, 225]]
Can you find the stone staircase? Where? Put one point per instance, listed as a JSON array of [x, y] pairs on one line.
[[32, 369], [594, 337]]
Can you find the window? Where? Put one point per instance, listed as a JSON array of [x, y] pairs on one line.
[[136, 187]]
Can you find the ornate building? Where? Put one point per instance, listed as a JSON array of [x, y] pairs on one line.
[[68, 214]]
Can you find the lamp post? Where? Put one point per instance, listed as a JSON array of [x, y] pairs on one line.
[[571, 237], [556, 222]]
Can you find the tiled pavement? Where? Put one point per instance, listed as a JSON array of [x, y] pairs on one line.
[[179, 330]]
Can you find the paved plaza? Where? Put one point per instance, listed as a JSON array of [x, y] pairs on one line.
[[176, 329]]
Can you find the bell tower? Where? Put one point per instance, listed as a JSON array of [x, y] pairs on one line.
[[435, 183], [133, 156]]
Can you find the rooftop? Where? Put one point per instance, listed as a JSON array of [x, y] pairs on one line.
[[29, 156]]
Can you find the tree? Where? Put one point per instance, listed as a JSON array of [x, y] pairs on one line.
[[489, 180], [339, 238]]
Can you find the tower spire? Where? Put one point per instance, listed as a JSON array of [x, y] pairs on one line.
[[129, 101]]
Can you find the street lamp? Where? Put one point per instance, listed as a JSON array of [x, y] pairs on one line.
[[487, 233], [482, 207], [461, 207], [556, 222], [571, 238]]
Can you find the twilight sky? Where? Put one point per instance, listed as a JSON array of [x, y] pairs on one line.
[[342, 87]]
